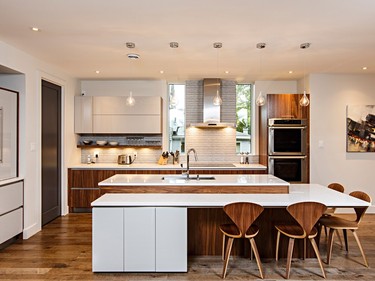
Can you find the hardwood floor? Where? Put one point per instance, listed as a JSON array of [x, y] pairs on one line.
[[62, 251]]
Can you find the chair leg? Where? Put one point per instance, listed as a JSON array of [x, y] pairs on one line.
[[277, 244], [325, 231], [227, 255], [289, 258], [360, 247], [339, 238], [257, 257], [313, 243], [223, 248], [330, 244], [345, 239]]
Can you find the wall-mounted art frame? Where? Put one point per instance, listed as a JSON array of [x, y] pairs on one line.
[[8, 134], [360, 133]]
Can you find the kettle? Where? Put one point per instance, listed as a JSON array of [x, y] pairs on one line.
[[126, 159]]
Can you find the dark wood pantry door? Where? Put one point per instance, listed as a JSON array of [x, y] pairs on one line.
[[51, 151]]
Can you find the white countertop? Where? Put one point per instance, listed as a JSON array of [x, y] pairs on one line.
[[151, 166], [297, 193], [176, 180]]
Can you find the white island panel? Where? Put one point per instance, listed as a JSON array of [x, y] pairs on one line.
[[139, 237], [108, 240], [171, 239]]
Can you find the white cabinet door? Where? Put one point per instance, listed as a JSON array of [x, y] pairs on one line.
[[11, 197], [135, 124], [83, 114], [139, 239], [108, 239], [171, 239], [11, 224], [117, 105]]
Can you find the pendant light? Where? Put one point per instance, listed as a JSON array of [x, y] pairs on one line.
[[130, 101], [261, 99], [304, 101], [217, 99]]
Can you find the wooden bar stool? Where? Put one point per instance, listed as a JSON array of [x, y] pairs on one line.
[[330, 211], [335, 223], [306, 215], [242, 214]]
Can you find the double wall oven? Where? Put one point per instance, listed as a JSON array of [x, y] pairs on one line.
[[287, 149]]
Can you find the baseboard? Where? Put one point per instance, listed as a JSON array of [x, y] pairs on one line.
[[30, 231]]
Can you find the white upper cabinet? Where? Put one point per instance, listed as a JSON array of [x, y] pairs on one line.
[[111, 115], [82, 115]]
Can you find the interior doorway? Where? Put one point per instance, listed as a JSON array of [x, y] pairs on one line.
[[51, 151]]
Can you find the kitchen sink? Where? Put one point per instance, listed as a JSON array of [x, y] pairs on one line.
[[191, 177]]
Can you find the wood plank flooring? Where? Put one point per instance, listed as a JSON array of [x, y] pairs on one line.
[[62, 251]]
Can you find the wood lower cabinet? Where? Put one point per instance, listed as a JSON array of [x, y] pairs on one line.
[[139, 239], [83, 183]]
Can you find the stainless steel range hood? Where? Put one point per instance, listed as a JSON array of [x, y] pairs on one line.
[[211, 112]]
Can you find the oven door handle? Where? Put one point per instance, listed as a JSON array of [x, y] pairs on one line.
[[288, 157], [288, 127]]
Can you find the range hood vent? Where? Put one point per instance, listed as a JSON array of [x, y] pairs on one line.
[[211, 112]]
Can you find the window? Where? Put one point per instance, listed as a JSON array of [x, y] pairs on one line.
[[176, 117], [243, 117]]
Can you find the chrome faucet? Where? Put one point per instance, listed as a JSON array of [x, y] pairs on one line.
[[188, 160]]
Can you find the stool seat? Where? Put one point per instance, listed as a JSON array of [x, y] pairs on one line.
[[296, 231]]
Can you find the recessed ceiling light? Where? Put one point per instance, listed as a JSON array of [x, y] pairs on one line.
[[34, 28], [226, 71], [97, 71], [290, 71], [161, 71], [133, 56], [364, 68]]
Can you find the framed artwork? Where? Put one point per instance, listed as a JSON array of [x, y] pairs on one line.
[[8, 134], [360, 132]]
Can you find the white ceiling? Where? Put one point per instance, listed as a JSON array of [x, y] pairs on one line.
[[82, 36]]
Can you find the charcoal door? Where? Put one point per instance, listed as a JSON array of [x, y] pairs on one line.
[[51, 152]]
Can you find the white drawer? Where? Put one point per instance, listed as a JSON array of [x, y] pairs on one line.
[[11, 197], [11, 224]]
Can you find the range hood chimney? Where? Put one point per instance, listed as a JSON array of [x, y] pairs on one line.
[[211, 112]]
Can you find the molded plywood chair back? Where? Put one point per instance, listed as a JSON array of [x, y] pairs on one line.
[[243, 215], [306, 215]]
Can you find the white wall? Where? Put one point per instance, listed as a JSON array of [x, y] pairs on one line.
[[330, 94], [28, 84]]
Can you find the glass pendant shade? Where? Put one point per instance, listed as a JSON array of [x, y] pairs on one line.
[[130, 101], [304, 101], [261, 100], [217, 99]]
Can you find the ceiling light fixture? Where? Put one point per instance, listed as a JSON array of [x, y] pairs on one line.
[[290, 71], [261, 100], [130, 45], [97, 71], [364, 68], [130, 101], [217, 99], [34, 28], [173, 45], [133, 56], [304, 101]]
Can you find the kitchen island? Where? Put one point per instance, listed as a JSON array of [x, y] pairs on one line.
[[157, 232]]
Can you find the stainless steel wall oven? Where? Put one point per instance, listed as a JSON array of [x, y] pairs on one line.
[[287, 149]]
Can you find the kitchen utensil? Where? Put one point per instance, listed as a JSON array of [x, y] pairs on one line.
[[101, 142], [126, 159], [87, 142], [113, 143]]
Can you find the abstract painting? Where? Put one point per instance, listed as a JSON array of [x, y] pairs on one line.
[[360, 128]]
